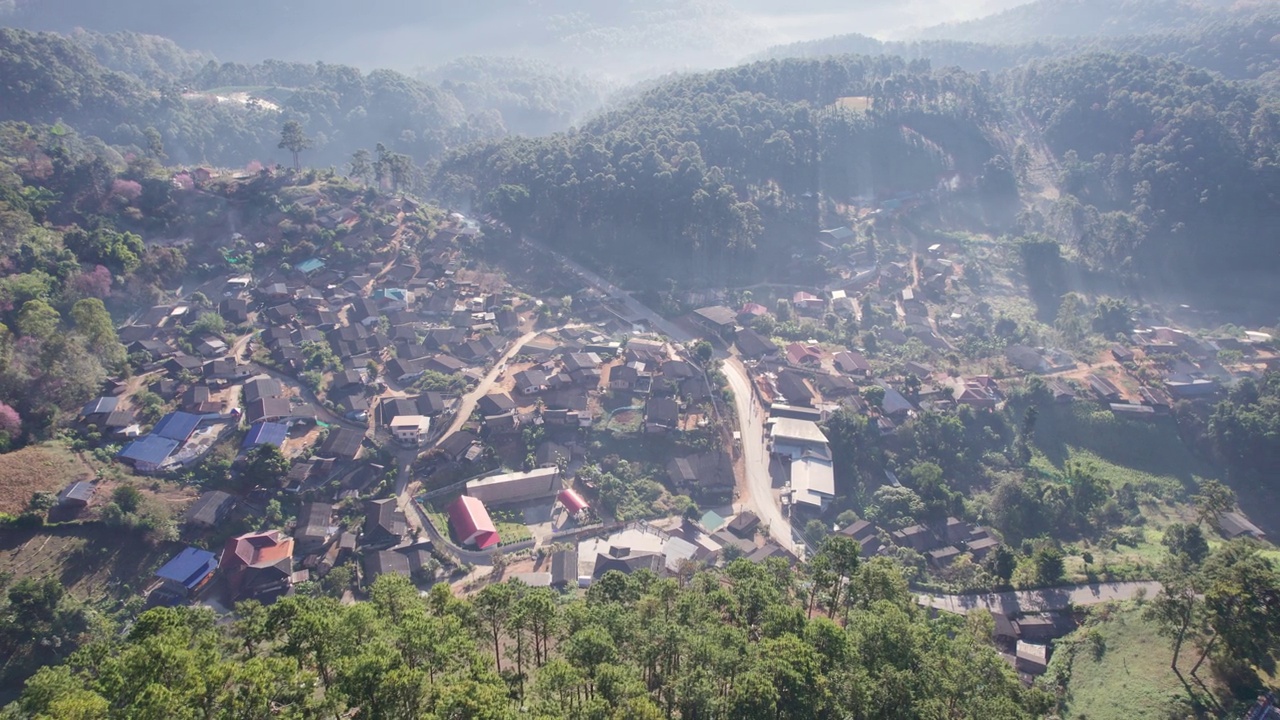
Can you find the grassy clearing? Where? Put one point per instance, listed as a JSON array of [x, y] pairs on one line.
[[49, 467], [1123, 675], [92, 561]]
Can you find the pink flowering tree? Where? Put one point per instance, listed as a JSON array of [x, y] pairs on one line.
[[95, 283], [10, 425], [128, 190]]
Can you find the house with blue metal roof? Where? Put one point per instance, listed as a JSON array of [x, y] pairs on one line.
[[148, 453], [265, 433], [176, 426], [186, 573], [309, 266]]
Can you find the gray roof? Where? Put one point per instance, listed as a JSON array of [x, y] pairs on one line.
[[206, 509], [564, 567], [717, 315], [104, 405], [259, 388], [1235, 525]]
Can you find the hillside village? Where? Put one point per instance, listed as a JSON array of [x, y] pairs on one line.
[[436, 422]]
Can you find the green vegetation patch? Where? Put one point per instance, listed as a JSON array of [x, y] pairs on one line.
[[1117, 666], [1122, 450]]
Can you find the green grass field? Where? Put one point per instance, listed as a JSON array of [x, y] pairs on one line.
[[1129, 678]]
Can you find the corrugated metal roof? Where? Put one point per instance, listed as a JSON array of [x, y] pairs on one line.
[[266, 433], [102, 406], [149, 449], [176, 426], [189, 567]]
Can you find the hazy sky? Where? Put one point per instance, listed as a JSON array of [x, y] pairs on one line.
[[626, 39], [884, 19]]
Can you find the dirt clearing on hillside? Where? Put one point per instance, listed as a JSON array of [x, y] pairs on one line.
[[37, 468]]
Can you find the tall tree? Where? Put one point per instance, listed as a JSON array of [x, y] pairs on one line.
[[265, 466], [493, 606], [361, 166], [294, 139]]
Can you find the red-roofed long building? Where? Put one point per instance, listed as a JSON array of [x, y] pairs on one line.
[[471, 523], [572, 501], [258, 564]]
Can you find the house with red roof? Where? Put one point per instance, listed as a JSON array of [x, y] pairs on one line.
[[750, 311], [258, 564], [471, 523], [807, 301], [798, 355]]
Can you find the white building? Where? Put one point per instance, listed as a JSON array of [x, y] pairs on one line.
[[792, 438], [813, 481], [812, 476], [517, 487], [411, 429]]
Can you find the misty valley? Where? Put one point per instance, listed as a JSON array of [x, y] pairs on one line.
[[652, 359]]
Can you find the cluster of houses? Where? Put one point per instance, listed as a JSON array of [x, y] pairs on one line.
[[264, 565], [1155, 368], [940, 544]]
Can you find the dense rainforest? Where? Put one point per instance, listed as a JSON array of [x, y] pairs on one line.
[[745, 642]]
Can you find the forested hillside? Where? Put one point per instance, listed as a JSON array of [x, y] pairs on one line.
[[1170, 173], [735, 643], [152, 58], [226, 114], [716, 173], [1241, 47], [533, 98]]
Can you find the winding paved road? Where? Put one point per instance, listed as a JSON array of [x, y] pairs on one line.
[[1031, 601]]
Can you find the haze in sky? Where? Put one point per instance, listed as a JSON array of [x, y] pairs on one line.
[[883, 19], [627, 39]]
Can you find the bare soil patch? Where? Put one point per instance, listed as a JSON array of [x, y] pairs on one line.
[[37, 468]]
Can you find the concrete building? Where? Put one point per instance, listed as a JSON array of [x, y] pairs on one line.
[[517, 487], [411, 429]]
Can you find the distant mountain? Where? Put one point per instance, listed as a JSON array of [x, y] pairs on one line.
[[1083, 18], [1244, 47]]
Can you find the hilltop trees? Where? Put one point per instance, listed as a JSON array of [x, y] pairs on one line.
[[721, 645]]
